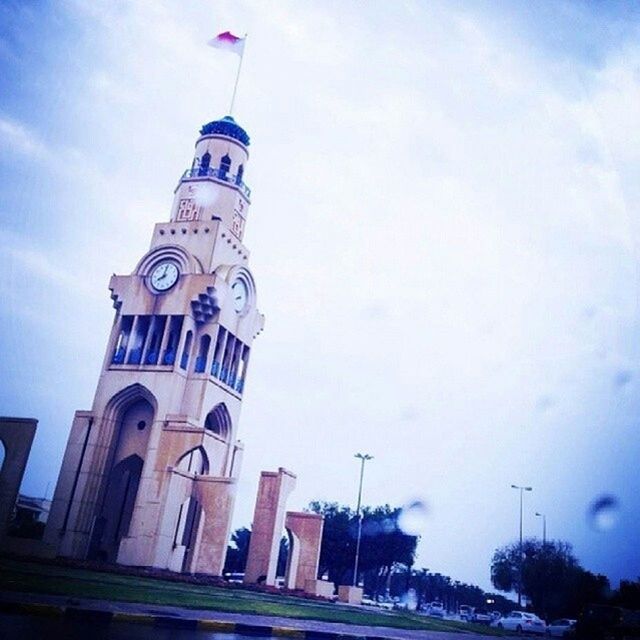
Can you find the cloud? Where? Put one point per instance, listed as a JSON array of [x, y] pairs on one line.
[[17, 137]]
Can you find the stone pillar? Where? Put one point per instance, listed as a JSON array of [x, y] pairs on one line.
[[217, 497], [268, 523], [305, 530], [17, 436]]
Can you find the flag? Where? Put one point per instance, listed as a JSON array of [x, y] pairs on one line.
[[229, 42]]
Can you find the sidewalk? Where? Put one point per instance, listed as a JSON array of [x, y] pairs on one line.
[[249, 625]]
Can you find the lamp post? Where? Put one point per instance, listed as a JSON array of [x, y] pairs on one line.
[[522, 490], [544, 528], [363, 458]]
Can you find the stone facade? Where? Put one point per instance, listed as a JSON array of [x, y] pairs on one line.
[[268, 526], [149, 473]]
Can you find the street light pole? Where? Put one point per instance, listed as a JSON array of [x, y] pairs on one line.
[[363, 458], [544, 528], [522, 490]]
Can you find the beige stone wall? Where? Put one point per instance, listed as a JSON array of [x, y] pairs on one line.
[[268, 525], [305, 530]]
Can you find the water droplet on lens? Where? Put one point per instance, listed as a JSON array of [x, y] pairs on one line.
[[603, 513], [207, 194], [622, 378], [413, 518]]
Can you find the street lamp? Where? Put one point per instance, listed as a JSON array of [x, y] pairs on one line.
[[522, 490], [363, 458], [544, 528]]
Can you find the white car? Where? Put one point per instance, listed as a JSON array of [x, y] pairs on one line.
[[481, 616], [561, 628], [435, 609], [522, 622]]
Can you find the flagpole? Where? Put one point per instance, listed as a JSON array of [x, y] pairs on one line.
[[235, 86]]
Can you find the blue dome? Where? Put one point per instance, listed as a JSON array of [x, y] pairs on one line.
[[227, 126]]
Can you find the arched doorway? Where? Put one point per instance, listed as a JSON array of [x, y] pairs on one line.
[[187, 527], [119, 495]]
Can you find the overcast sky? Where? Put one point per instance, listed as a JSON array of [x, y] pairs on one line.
[[444, 236]]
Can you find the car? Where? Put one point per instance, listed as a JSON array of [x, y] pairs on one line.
[[522, 622], [561, 628], [481, 616], [435, 609], [465, 611]]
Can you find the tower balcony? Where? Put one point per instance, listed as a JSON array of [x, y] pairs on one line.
[[220, 173]]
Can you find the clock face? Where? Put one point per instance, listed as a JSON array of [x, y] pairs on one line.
[[240, 295], [164, 276]]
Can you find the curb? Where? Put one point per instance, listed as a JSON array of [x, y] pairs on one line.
[[103, 618]]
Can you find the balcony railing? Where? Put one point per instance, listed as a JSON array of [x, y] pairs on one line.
[[220, 174]]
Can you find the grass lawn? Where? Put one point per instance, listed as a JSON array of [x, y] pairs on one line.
[[33, 577]]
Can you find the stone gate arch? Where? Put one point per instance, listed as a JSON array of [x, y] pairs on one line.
[[130, 414]]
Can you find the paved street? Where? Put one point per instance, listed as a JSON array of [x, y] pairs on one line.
[[116, 630]]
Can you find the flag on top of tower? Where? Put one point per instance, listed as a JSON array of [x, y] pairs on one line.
[[229, 42]]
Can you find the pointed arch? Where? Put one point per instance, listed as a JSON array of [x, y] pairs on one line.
[[194, 461], [218, 421], [225, 166], [203, 170], [121, 401], [128, 419]]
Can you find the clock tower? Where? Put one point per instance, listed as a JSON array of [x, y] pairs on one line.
[[149, 472]]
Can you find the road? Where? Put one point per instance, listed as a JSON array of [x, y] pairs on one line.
[[25, 627]]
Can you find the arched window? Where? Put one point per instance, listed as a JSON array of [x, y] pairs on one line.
[[203, 353], [205, 161], [225, 165], [2, 455], [219, 421], [184, 360], [240, 174], [194, 461]]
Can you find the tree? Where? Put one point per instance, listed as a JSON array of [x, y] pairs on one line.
[[237, 551], [383, 545], [551, 576]]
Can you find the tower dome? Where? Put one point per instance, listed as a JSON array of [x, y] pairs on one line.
[[226, 126]]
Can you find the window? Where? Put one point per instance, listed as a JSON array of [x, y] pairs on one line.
[[120, 349], [205, 161], [240, 174], [235, 363], [157, 332], [203, 353], [171, 348], [218, 351], [225, 165], [218, 421], [226, 361], [184, 361], [140, 337], [242, 369]]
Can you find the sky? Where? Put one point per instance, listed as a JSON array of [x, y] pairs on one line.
[[444, 236]]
